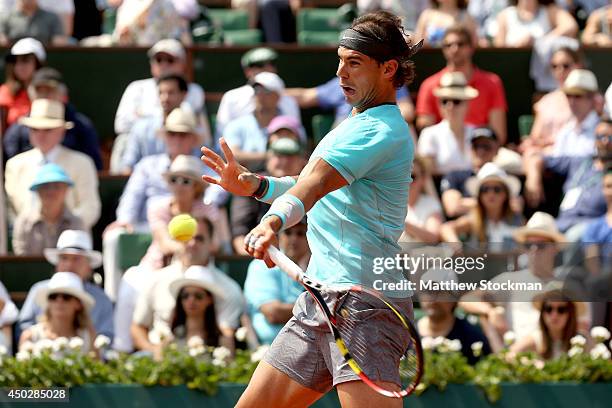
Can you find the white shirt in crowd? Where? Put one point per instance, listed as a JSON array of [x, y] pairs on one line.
[[141, 99], [9, 312], [577, 140], [240, 101], [425, 207], [439, 142], [155, 303]]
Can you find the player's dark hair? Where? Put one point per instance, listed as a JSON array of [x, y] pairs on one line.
[[180, 81], [387, 28]]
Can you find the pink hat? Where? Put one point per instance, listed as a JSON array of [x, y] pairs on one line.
[[284, 122]]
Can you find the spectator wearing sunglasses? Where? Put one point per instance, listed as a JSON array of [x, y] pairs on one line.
[[240, 101], [155, 303], [198, 295], [552, 112], [492, 221], [500, 310], [484, 149], [488, 108], [141, 97], [41, 227], [558, 323], [187, 191], [66, 307], [446, 145], [270, 293]]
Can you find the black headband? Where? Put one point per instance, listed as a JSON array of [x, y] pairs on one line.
[[371, 46]]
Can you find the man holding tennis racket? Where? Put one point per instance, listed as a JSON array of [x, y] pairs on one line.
[[354, 189]]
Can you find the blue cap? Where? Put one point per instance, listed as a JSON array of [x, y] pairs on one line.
[[50, 173]]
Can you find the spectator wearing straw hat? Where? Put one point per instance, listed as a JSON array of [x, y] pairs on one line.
[[48, 83], [48, 126], [446, 145], [66, 307], [440, 319], [577, 137], [487, 109], [73, 253], [41, 227], [511, 310], [241, 101]]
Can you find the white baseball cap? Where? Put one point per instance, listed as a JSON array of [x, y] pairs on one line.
[[580, 82], [29, 45], [168, 46], [270, 81]]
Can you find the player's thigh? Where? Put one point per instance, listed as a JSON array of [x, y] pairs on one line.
[[357, 394], [272, 388]]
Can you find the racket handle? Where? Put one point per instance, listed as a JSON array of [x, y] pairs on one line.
[[287, 265]]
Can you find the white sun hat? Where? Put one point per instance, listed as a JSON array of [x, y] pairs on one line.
[[65, 282]]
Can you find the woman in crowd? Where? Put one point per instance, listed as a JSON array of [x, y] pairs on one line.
[[552, 112], [424, 216], [66, 307], [187, 190], [194, 313], [446, 145], [557, 325], [432, 23], [521, 24], [24, 59], [493, 220]]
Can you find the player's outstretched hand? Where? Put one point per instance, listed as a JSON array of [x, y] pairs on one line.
[[233, 177], [257, 242]]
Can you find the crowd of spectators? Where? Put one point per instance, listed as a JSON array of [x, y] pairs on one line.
[[470, 188]]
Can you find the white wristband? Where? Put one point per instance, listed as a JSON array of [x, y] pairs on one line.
[[288, 208], [277, 186]]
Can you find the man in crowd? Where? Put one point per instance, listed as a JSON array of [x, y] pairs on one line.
[[140, 99], [241, 101], [47, 128], [82, 137], [144, 137], [488, 109], [270, 293], [285, 158], [27, 19], [155, 304], [440, 319], [73, 253], [577, 137]]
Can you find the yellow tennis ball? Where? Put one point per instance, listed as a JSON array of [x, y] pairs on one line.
[[182, 227]]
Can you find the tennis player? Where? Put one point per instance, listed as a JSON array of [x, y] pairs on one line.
[[354, 189]]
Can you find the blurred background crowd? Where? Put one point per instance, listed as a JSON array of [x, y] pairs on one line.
[[540, 202]]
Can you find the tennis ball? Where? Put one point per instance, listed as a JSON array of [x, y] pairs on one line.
[[182, 227]]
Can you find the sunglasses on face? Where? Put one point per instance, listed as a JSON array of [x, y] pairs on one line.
[[64, 296], [161, 59], [604, 138], [557, 66], [494, 189], [196, 295], [459, 44], [455, 102], [179, 180], [548, 309]]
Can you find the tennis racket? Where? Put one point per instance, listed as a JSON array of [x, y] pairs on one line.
[[343, 320]]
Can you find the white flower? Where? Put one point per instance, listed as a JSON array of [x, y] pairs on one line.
[[42, 345], [600, 351], [23, 355], [539, 364], [574, 351], [165, 333], [454, 345], [59, 344], [526, 361], [27, 346], [219, 362], [509, 338], [196, 351], [259, 353], [477, 348], [3, 350], [473, 319], [195, 342], [578, 340], [75, 343], [129, 366], [600, 334], [438, 341], [610, 344], [111, 355], [69, 362], [241, 333], [221, 353], [427, 343], [102, 341]]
